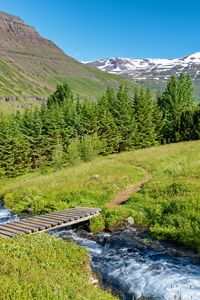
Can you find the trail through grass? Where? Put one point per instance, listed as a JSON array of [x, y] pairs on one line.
[[169, 203]]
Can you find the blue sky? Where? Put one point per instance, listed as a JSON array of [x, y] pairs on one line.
[[93, 29]]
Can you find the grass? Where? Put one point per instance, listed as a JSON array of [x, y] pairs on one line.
[[169, 204], [70, 187], [60, 271], [11, 107], [31, 77], [43, 267]]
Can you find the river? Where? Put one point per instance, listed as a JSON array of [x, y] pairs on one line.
[[133, 266]]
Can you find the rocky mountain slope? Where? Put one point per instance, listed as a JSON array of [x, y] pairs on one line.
[[152, 72], [32, 65]]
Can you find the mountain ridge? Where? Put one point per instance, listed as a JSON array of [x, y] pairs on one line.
[[148, 70], [32, 65]]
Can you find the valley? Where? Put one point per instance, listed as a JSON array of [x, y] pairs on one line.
[[167, 204], [119, 134]]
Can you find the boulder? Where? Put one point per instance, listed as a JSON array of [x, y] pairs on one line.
[[28, 211]]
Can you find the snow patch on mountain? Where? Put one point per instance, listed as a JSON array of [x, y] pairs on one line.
[[150, 68]]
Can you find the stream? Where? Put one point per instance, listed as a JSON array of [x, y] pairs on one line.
[[6, 216], [133, 266]]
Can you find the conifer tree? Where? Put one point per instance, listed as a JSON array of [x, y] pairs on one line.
[[86, 123], [63, 92], [14, 149], [122, 113], [176, 98], [107, 129], [144, 114]]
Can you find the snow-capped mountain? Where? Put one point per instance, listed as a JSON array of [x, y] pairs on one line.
[[151, 68]]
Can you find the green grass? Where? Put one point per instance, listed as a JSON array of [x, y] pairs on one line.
[[70, 187], [90, 87], [30, 77], [11, 107], [43, 267], [169, 204]]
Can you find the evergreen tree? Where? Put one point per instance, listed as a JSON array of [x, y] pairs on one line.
[[63, 92], [85, 120], [176, 98], [187, 126], [57, 156], [124, 119], [144, 114], [107, 129], [14, 150]]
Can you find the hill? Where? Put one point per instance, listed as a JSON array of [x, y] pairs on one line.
[[168, 203], [152, 72], [31, 65]]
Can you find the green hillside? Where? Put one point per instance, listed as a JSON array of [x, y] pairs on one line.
[[84, 80], [168, 203], [33, 65]]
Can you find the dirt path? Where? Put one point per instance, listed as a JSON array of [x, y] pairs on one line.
[[131, 189]]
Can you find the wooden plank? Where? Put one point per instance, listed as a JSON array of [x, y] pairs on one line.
[[80, 210], [35, 226], [3, 227], [18, 228], [25, 226], [57, 215], [76, 210], [42, 225], [57, 218], [8, 234], [73, 222], [7, 228], [3, 236], [72, 214], [21, 226], [91, 209], [45, 220], [70, 217]]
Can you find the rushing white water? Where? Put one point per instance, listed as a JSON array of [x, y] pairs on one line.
[[6, 216], [133, 267]]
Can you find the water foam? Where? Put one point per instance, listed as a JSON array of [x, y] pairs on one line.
[[142, 271], [6, 216]]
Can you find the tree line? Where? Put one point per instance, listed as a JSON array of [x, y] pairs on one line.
[[67, 129]]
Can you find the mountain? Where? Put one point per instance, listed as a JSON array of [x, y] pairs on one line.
[[153, 72], [33, 65]]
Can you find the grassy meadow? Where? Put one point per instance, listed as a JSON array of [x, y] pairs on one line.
[[169, 203], [44, 267]]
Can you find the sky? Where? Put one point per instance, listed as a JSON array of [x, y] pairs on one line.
[[94, 29]]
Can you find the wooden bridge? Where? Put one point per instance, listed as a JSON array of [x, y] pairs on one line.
[[48, 222]]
